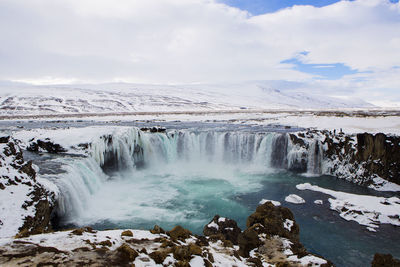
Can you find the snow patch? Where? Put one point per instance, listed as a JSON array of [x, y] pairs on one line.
[[318, 202], [275, 203], [213, 225], [295, 199], [287, 224]]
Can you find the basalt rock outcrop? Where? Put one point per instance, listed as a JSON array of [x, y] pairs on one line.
[[359, 158]]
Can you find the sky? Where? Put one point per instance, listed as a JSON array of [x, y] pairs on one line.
[[339, 48]]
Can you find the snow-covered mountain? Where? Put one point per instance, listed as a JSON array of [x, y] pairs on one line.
[[17, 99]]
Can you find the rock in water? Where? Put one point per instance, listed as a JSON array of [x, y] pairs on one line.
[[273, 219], [384, 260]]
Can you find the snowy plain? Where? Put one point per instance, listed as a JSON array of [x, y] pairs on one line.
[[256, 103], [23, 99]]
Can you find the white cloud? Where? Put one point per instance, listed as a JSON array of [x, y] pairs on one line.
[[196, 41]]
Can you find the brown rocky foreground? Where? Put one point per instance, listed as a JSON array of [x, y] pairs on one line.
[[270, 239]]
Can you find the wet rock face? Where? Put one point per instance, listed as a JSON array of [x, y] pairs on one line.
[[279, 152], [380, 155], [358, 158], [385, 260], [223, 228]]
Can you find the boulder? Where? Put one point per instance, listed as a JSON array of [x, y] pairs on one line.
[[275, 221], [224, 227], [178, 232]]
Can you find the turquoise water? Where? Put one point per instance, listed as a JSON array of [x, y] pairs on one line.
[[190, 195], [322, 231]]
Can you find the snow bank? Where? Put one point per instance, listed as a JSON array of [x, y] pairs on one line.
[[365, 210]]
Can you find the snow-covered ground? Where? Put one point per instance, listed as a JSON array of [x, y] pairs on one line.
[[105, 98], [365, 210], [250, 102], [145, 243]]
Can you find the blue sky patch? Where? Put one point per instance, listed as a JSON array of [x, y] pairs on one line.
[[325, 71], [257, 7]]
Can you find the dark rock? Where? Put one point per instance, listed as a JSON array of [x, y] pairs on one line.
[[182, 253], [195, 249], [127, 233], [255, 262], [80, 231], [28, 169], [4, 139], [178, 232], [384, 260], [106, 243], [159, 256], [226, 227], [127, 254], [273, 219], [157, 230], [207, 263], [249, 240], [48, 146]]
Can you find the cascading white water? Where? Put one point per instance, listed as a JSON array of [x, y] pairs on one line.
[[315, 158], [134, 157]]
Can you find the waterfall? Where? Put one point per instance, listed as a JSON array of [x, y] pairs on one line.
[[315, 158], [130, 149]]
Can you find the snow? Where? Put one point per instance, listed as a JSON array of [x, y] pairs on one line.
[[365, 210], [213, 225], [287, 224], [318, 202], [223, 256], [308, 260], [11, 212], [100, 98], [383, 185], [65, 240], [68, 138], [12, 197], [221, 219], [275, 203], [197, 261], [295, 199]]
